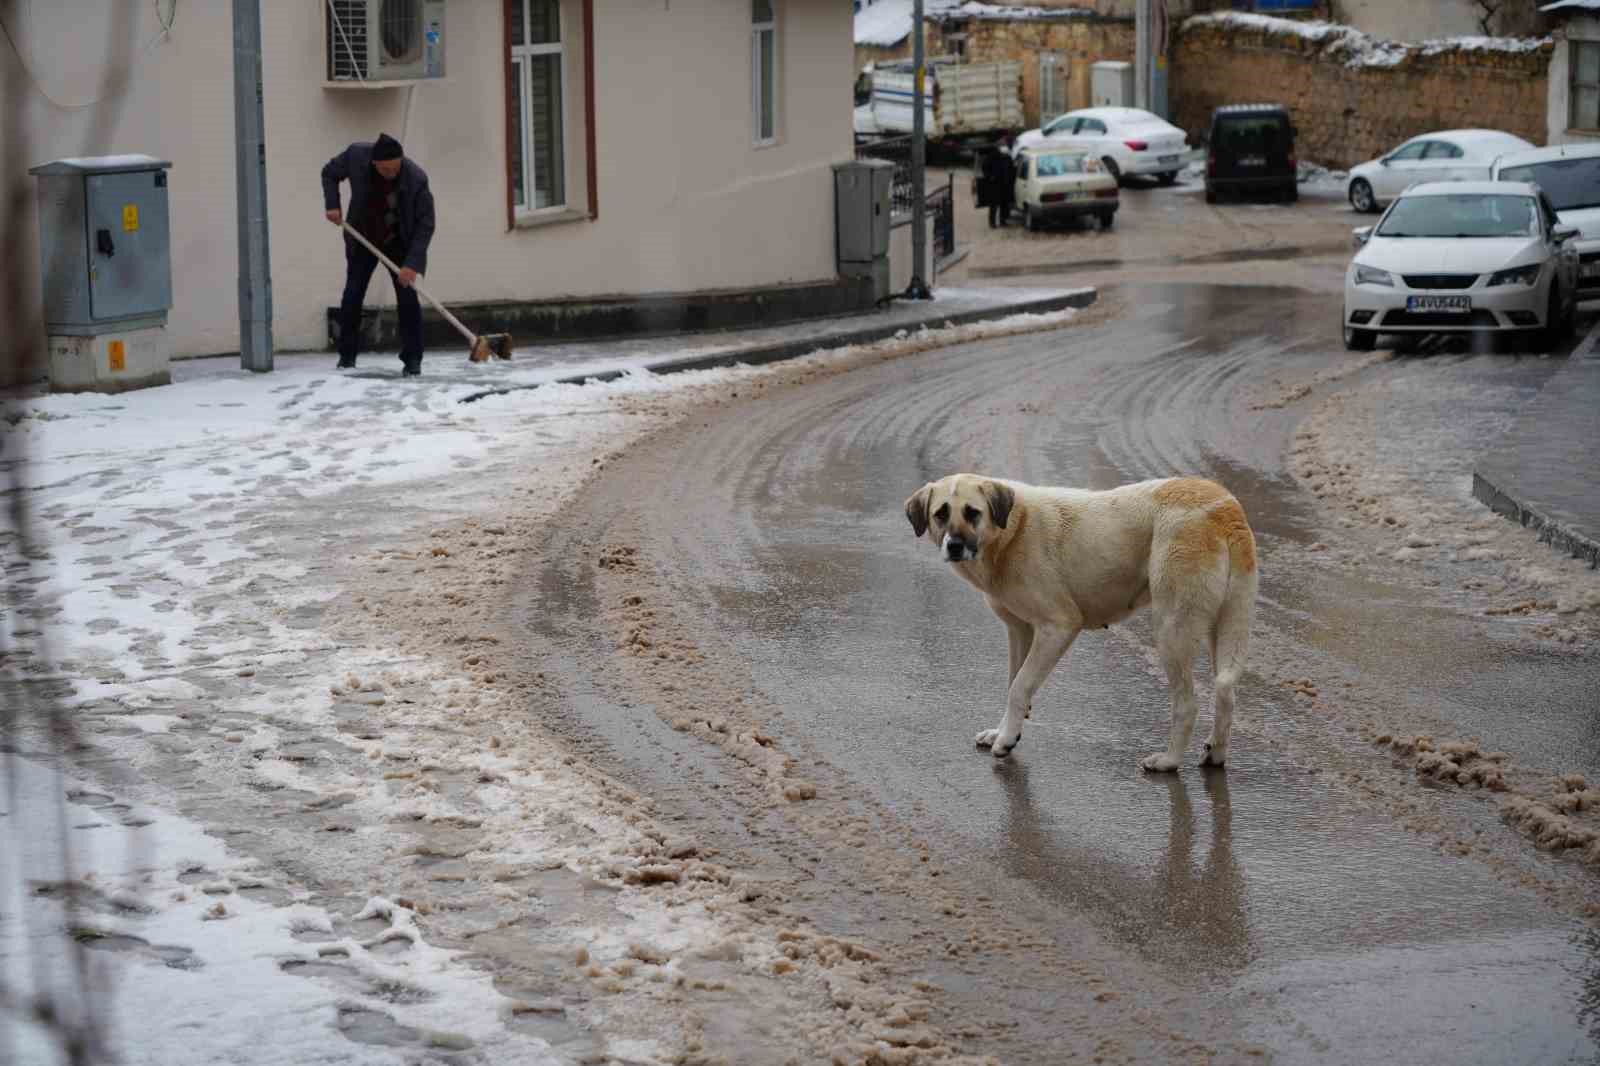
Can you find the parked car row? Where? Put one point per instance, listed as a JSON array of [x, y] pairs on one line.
[[1480, 233]]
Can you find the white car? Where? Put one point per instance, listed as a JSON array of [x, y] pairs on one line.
[[1055, 183], [1480, 256], [1126, 140], [1449, 155], [1570, 176]]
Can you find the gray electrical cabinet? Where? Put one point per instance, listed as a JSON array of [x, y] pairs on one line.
[[861, 215], [105, 243]]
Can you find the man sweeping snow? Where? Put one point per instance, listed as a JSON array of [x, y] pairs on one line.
[[391, 205]]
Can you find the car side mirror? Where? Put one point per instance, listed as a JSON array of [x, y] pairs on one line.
[[1384, 161], [1564, 233], [1360, 236]]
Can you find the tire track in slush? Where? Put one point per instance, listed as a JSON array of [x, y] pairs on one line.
[[769, 541]]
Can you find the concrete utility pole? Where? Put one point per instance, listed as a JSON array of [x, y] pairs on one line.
[[250, 171], [1143, 16], [918, 289]]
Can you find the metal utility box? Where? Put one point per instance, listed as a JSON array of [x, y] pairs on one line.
[[105, 244], [1111, 84], [861, 216]]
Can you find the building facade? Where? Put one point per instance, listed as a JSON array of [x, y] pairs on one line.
[[575, 149]]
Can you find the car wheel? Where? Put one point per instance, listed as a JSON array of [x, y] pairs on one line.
[[1108, 220], [1362, 198], [1167, 177], [1291, 194], [1359, 340], [1029, 223], [1112, 169], [1211, 195]]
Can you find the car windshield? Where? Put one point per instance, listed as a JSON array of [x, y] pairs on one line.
[[1461, 215], [1261, 133], [1054, 166], [1570, 183]]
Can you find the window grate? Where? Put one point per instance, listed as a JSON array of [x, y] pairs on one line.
[[347, 40]]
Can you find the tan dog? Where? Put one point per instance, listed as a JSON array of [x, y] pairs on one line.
[[1054, 561]]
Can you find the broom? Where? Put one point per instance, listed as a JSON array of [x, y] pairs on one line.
[[496, 344]]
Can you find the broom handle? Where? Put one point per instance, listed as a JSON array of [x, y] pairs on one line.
[[472, 338]]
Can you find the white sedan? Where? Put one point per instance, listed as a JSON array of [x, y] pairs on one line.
[[1449, 155], [1125, 139], [1481, 256]]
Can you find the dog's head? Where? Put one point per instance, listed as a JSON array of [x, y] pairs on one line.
[[960, 513]]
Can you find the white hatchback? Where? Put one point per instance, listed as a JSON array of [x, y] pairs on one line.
[[1569, 175], [1449, 155], [1126, 140], [1462, 256]]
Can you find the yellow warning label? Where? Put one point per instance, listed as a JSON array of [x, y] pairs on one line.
[[119, 356], [130, 217]]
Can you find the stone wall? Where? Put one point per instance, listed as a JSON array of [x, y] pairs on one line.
[[1352, 96]]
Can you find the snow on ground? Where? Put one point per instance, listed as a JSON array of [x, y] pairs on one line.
[[194, 537]]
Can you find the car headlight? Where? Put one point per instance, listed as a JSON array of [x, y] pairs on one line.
[[1522, 275], [1366, 275]]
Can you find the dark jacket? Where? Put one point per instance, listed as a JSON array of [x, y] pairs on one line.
[[996, 183], [415, 225]]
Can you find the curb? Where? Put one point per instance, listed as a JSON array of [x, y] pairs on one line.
[[1562, 538], [760, 354]]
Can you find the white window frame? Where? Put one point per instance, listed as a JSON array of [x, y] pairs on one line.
[[756, 100], [1573, 84], [519, 58]]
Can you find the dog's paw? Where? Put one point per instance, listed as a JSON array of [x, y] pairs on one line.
[[1214, 756], [999, 746], [1159, 763]]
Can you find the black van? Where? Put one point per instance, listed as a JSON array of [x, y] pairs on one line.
[[1251, 149]]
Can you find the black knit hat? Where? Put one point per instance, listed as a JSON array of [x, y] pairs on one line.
[[386, 147]]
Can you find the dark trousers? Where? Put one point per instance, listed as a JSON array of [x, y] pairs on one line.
[[359, 265], [998, 214]]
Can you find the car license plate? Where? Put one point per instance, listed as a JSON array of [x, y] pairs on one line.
[[1591, 270], [1167, 159], [1253, 161], [1449, 304]]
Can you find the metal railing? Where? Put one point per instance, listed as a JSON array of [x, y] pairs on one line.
[[896, 150]]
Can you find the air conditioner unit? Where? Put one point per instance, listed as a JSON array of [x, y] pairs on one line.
[[372, 43]]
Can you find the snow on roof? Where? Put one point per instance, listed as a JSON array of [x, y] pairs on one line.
[[886, 23], [1358, 49]]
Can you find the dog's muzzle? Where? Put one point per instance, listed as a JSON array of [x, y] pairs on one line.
[[956, 550]]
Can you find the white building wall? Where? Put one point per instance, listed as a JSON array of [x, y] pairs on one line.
[[1575, 29], [686, 201]]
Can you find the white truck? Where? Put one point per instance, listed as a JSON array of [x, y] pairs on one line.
[[965, 105]]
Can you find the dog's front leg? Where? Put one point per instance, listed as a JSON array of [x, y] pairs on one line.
[[1049, 645]]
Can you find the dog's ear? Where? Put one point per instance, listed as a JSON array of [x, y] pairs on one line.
[[1000, 500], [917, 509]]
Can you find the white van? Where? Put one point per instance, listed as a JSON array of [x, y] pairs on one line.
[[1569, 174]]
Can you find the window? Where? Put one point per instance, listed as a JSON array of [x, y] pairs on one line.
[[1442, 150], [764, 69], [1410, 151], [1091, 127], [536, 70], [1583, 100]]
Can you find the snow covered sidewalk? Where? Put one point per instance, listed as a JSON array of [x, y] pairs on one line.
[[316, 815]]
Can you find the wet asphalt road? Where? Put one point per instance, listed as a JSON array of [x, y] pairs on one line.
[[1289, 910]]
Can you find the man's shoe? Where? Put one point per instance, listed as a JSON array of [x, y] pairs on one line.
[[346, 362], [412, 370]]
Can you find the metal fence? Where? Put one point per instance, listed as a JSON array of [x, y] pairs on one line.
[[896, 150], [940, 202]]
